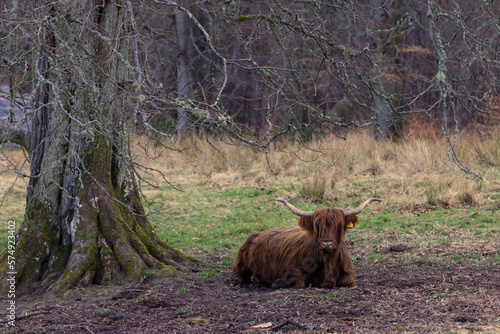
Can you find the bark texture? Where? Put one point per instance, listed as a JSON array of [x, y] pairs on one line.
[[386, 68], [85, 222], [184, 76]]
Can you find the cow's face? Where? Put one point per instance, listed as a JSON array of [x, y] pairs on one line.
[[328, 227]]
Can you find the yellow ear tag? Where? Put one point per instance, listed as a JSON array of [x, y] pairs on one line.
[[350, 225]]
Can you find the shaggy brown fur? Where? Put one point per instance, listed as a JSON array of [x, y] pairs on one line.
[[311, 254]]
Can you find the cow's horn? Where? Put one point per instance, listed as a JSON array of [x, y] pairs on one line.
[[362, 206], [295, 210]]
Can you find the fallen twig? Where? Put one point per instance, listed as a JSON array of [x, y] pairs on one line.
[[88, 329], [280, 326]]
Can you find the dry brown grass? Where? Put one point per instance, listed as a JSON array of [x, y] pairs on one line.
[[12, 185], [404, 174]]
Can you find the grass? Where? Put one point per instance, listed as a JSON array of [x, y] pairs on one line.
[[429, 205]]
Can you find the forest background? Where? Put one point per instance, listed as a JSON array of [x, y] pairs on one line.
[[404, 69]]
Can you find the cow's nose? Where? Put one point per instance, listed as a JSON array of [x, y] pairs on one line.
[[327, 244]]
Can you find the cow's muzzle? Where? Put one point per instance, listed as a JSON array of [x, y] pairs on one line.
[[328, 244]]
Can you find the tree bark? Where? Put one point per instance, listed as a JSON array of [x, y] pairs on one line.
[[184, 75], [386, 68], [84, 221]]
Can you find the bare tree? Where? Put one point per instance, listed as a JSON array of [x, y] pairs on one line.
[[310, 68], [84, 222], [384, 59], [386, 33], [184, 75]]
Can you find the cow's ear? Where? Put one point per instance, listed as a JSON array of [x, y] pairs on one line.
[[351, 221], [306, 223]]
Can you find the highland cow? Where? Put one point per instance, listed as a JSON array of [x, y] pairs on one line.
[[311, 254]]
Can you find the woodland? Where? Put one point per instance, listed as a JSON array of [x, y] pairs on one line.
[[93, 92]]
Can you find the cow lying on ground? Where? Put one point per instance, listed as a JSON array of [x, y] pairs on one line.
[[311, 254]]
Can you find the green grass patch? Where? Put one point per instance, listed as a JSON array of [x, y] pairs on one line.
[[456, 235], [216, 222]]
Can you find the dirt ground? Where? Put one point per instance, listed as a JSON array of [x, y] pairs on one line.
[[403, 297]]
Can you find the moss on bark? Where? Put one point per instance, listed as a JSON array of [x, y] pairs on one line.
[[84, 220], [111, 241]]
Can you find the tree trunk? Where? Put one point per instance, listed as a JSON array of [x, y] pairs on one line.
[[386, 68], [84, 220], [184, 75]]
